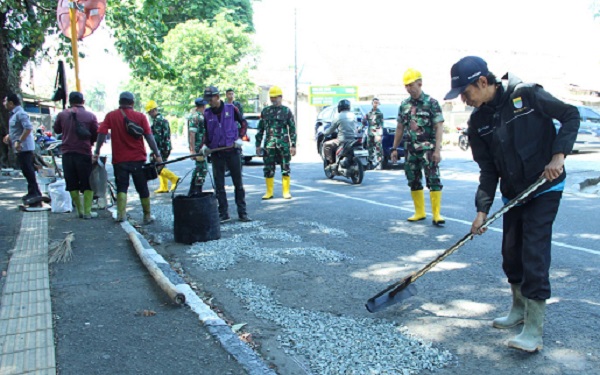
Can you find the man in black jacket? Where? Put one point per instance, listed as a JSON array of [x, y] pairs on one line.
[[513, 139]]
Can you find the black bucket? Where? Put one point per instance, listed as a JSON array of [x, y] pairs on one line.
[[196, 219]]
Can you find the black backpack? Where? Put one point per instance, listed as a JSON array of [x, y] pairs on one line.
[[82, 132]]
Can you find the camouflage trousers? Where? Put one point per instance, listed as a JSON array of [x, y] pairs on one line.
[[374, 145], [199, 174], [274, 156], [414, 166]]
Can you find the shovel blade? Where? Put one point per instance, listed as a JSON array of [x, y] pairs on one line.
[[392, 297]]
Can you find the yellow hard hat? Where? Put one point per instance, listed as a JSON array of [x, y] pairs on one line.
[[275, 91], [411, 75], [151, 105]]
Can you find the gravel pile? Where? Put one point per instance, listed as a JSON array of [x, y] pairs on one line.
[[330, 344], [268, 245]]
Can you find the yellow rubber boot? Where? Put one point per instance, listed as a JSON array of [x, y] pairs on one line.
[[270, 182], [436, 206], [88, 198], [418, 198], [148, 217], [163, 187], [77, 202], [169, 175], [121, 207], [285, 187]]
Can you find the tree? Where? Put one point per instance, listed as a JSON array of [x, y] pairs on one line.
[[201, 54], [23, 27], [140, 27], [95, 98]]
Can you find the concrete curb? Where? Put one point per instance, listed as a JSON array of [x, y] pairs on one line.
[[176, 287]]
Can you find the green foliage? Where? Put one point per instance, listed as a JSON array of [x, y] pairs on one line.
[[141, 26], [95, 98], [23, 29], [176, 124], [201, 54]]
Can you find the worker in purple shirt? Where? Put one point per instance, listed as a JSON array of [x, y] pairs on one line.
[[220, 121]]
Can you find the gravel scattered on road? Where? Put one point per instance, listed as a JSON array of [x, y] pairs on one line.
[[256, 241], [331, 344]]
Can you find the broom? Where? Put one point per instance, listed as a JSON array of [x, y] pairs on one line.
[[62, 252]]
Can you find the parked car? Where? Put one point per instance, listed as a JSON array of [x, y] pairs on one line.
[[249, 146], [588, 136]]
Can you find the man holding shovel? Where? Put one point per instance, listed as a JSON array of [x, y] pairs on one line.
[[514, 141], [222, 132]]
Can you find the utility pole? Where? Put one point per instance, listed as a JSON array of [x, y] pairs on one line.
[[296, 66]]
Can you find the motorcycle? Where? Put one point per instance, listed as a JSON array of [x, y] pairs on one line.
[[43, 141], [463, 138], [351, 160]]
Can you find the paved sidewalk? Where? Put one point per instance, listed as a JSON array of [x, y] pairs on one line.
[[25, 311], [99, 313]]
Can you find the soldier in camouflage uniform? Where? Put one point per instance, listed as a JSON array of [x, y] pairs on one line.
[[230, 96], [162, 134], [196, 130], [421, 115], [277, 122], [374, 122]]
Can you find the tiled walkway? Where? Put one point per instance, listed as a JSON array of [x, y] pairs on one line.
[[26, 334]]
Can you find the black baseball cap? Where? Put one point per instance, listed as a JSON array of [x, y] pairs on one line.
[[127, 96], [75, 97], [210, 91], [466, 71]]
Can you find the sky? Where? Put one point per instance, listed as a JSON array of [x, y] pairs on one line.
[[549, 42]]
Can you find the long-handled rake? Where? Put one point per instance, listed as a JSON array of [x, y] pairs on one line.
[[404, 288]]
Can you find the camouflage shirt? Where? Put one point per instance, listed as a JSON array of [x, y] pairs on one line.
[[374, 119], [196, 126], [277, 122], [418, 116], [162, 133]]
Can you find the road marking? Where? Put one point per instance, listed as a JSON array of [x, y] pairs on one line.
[[375, 203]]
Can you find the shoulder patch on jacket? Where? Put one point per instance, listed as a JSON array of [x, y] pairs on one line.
[[518, 102]]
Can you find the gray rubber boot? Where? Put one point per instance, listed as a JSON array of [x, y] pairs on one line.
[[530, 339], [517, 311]]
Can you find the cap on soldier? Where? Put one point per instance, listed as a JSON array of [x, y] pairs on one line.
[[466, 71], [199, 102], [127, 96], [75, 97], [210, 91]]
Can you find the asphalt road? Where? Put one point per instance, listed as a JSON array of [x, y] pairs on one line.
[[367, 225]]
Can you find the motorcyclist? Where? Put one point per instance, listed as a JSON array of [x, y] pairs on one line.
[[345, 126]]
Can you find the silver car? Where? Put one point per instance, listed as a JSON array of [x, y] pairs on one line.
[[588, 136], [249, 146]]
